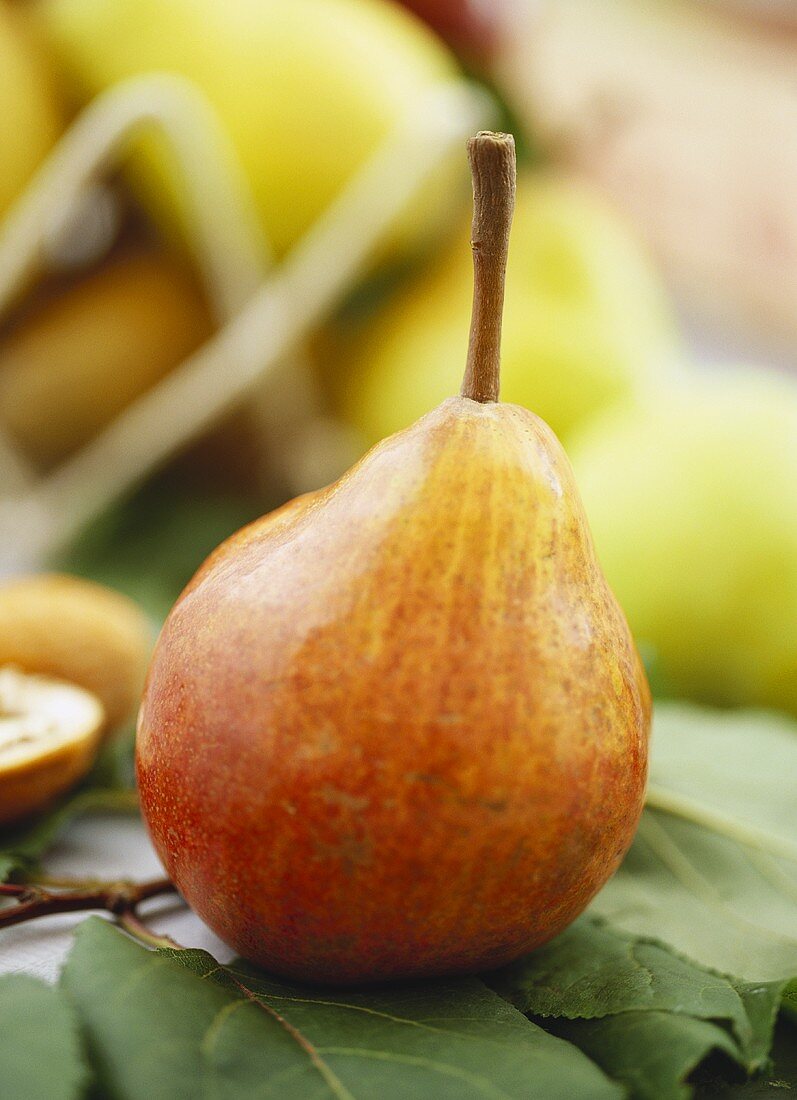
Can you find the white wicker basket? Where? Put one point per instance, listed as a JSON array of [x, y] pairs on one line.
[[264, 312]]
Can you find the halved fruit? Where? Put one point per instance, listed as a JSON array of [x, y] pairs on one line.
[[78, 631], [49, 734]]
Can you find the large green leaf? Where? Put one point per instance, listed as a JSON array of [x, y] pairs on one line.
[[715, 900], [647, 1016], [731, 770], [592, 971], [40, 1049], [652, 1053], [779, 1078], [174, 1025], [711, 874]]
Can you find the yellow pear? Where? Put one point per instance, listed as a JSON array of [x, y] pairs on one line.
[[692, 498], [307, 89], [30, 116], [586, 320]]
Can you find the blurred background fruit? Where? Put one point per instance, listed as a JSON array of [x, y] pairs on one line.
[[30, 114], [75, 360], [470, 26], [586, 320], [307, 90], [49, 734], [79, 632], [692, 499]]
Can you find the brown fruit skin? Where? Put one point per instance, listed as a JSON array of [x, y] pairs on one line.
[[78, 631], [76, 361], [399, 727]]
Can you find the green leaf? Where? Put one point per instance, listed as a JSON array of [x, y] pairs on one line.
[[108, 787], [735, 771], [789, 1003], [40, 1052], [592, 971], [174, 1025], [652, 1053], [779, 1078], [715, 900], [645, 1015], [710, 873], [712, 879]]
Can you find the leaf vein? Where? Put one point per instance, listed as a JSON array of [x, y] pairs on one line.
[[483, 1084]]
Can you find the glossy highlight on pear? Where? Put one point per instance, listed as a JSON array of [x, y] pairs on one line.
[[399, 726]]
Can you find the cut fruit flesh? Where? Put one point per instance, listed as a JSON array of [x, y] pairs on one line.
[[49, 733]]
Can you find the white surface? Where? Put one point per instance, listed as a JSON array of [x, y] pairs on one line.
[[110, 847]]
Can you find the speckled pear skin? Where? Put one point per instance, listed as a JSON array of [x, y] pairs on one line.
[[399, 726]]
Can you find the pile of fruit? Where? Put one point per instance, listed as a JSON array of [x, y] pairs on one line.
[[397, 729]]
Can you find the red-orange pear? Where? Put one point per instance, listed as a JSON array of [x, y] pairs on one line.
[[399, 727]]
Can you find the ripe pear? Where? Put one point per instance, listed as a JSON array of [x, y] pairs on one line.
[[692, 499], [30, 116], [586, 321], [399, 727], [74, 361], [335, 76]]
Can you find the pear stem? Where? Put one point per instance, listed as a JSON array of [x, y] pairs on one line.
[[492, 164]]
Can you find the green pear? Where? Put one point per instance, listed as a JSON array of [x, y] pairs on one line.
[[307, 89], [692, 500], [585, 320]]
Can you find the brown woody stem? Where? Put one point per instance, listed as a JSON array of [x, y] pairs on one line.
[[135, 927], [120, 898], [492, 162]]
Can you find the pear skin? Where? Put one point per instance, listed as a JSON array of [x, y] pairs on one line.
[[399, 727]]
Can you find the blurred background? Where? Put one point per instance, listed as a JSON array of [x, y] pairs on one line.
[[234, 254]]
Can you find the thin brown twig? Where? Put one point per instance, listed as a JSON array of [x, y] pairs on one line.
[[135, 927], [60, 882], [13, 889], [119, 898]]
